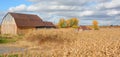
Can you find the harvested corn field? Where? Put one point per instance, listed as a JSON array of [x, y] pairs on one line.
[[70, 43]]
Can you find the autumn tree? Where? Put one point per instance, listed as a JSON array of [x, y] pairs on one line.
[[68, 22], [95, 25], [62, 23], [74, 22]]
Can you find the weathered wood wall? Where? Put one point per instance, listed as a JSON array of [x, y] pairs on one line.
[[24, 30], [8, 25]]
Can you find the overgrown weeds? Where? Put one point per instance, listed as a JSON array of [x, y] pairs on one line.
[[69, 43], [50, 35]]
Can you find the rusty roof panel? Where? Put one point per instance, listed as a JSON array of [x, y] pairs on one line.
[[48, 24], [84, 28], [29, 20]]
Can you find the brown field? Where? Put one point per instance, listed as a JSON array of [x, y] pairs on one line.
[[70, 43]]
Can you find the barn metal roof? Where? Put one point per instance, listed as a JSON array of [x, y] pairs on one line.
[[48, 23], [84, 28], [29, 20]]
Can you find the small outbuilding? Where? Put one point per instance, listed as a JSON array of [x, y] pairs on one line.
[[82, 28], [18, 23]]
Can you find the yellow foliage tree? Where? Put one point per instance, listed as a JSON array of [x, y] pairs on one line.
[[95, 25], [62, 23], [68, 22], [73, 22]]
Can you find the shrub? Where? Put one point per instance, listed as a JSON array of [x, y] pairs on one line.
[[95, 25]]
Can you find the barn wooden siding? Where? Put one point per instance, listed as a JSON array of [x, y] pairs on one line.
[[24, 30], [8, 25]]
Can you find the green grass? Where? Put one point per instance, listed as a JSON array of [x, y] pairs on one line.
[[11, 55], [9, 38], [15, 55], [5, 40]]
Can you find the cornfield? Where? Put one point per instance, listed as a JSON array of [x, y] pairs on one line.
[[71, 43]]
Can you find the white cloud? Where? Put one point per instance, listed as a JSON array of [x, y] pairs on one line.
[[67, 1], [45, 7], [32, 8], [113, 12], [86, 13], [110, 4], [21, 7], [114, 3]]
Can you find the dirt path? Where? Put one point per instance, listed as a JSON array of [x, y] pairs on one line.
[[9, 49]]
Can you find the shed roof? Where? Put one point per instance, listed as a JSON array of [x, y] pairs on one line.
[[29, 20], [84, 28], [48, 24]]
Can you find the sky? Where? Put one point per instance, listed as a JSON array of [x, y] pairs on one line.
[[106, 12]]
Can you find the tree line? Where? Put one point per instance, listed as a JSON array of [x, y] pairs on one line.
[[74, 23]]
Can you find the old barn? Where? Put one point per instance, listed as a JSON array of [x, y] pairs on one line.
[[18, 23]]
